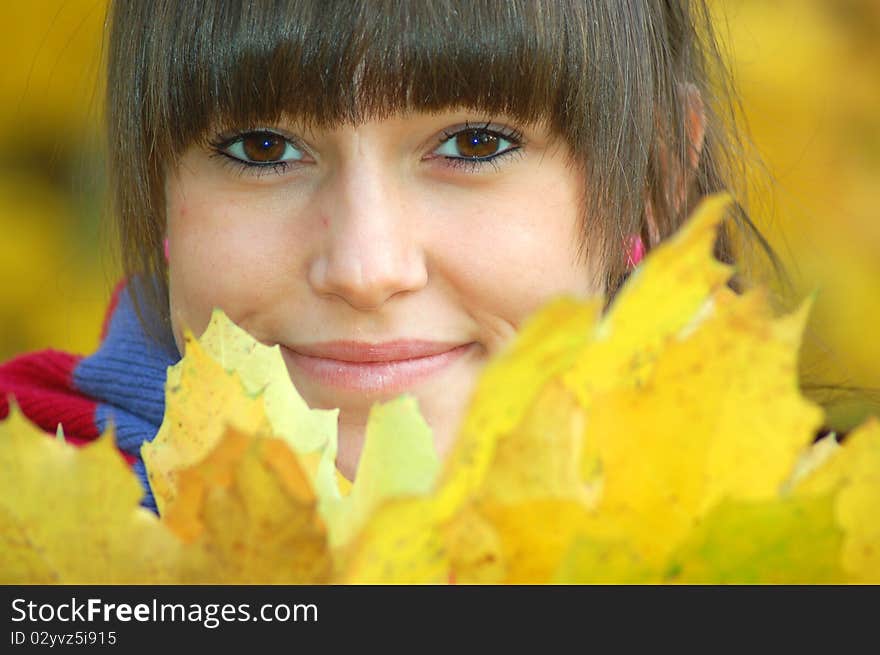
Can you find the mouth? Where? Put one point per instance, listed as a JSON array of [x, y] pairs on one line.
[[374, 369]]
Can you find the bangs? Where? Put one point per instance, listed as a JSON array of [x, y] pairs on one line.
[[327, 63]]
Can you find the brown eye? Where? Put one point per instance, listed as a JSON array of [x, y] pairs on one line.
[[263, 147], [478, 146], [476, 143]]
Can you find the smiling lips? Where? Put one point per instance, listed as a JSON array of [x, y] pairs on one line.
[[387, 367]]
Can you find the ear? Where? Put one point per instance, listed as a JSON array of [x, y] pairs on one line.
[[695, 127], [695, 117]]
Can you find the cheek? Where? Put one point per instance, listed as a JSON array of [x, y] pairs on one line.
[[226, 252], [514, 253]]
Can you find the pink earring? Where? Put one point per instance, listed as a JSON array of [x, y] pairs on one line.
[[166, 249], [635, 250]]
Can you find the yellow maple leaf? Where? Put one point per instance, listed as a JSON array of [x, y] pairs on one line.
[[852, 474], [400, 544], [249, 514], [227, 378], [547, 344], [72, 515], [719, 417], [668, 292], [398, 460], [201, 400], [310, 432], [556, 472], [532, 495], [774, 541], [245, 513]]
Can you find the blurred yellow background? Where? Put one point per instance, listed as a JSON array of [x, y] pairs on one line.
[[54, 272], [808, 71], [809, 75]]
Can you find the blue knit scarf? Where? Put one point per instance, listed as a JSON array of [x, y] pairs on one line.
[[126, 375]]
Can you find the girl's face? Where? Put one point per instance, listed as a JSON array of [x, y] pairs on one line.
[[422, 237]]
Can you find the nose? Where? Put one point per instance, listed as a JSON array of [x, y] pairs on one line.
[[370, 252]]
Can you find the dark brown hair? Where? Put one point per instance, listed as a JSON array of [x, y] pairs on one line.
[[612, 78]]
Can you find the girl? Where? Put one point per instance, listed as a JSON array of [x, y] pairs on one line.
[[386, 189]]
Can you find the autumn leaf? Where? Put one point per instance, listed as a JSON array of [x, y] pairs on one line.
[[398, 460], [201, 401], [539, 478], [665, 436], [72, 515], [242, 384], [248, 514], [673, 448], [668, 292], [227, 378], [852, 474], [310, 432], [401, 544], [776, 541]]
